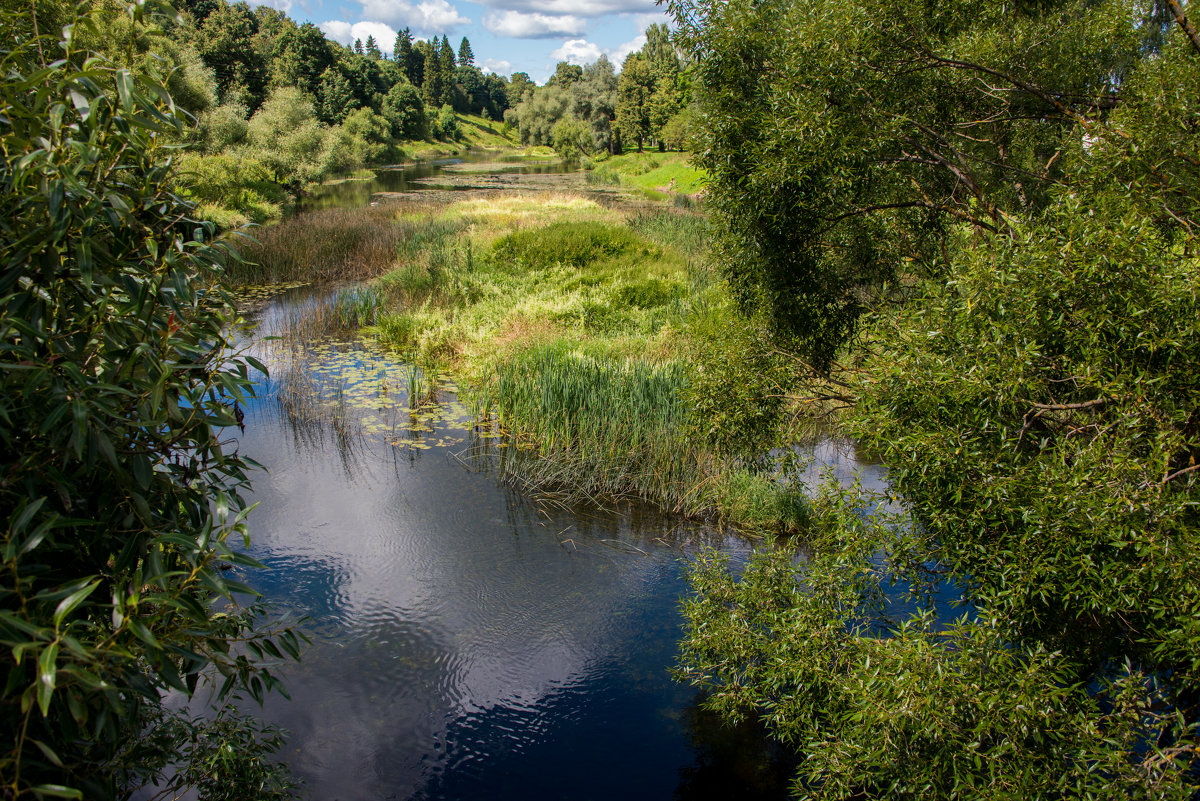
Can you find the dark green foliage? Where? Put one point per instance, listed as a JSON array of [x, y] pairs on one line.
[[735, 392], [335, 97], [568, 243], [404, 111], [225, 40], [301, 56], [1022, 246], [409, 58], [1040, 413], [466, 56], [120, 493], [565, 75], [859, 158]]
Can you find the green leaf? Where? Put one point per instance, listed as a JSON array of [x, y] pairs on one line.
[[73, 600]]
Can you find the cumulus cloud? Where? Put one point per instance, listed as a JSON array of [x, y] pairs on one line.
[[581, 51], [427, 16], [644, 21], [497, 66], [575, 8], [279, 5], [577, 51], [345, 33], [518, 25]]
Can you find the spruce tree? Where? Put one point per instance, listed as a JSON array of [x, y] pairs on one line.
[[466, 57], [372, 48], [358, 48], [411, 62], [447, 63], [433, 86]]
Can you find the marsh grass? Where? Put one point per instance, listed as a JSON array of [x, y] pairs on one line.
[[572, 328], [685, 232], [322, 246], [594, 428]]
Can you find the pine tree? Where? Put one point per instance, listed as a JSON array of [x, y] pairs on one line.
[[372, 48], [411, 62], [466, 57], [358, 46]]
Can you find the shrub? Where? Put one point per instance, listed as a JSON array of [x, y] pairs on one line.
[[116, 388]]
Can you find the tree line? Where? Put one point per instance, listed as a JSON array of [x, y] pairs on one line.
[[583, 111]]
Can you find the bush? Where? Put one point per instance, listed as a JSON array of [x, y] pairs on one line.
[[116, 390]]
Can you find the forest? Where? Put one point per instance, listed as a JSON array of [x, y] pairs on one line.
[[963, 236]]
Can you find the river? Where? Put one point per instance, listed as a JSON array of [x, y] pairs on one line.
[[469, 642]]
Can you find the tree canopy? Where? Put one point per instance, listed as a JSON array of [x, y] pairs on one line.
[[974, 226]]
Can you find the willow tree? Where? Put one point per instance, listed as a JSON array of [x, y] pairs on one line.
[[979, 220], [121, 497]]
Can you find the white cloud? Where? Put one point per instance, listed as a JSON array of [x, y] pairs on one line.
[[644, 21], [279, 5], [497, 66], [575, 8], [577, 51], [345, 33], [518, 25], [617, 54], [427, 16], [581, 51]]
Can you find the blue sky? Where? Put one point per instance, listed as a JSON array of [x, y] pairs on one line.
[[506, 36]]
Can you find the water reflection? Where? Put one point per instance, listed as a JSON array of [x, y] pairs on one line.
[[423, 175], [467, 640]]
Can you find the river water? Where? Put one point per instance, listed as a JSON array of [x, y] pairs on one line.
[[469, 642]]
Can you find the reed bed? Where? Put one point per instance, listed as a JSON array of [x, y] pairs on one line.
[[593, 428], [322, 246], [687, 233]]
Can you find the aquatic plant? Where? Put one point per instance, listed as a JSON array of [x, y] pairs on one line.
[[323, 245]]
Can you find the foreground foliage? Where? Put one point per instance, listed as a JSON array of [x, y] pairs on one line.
[[976, 226], [118, 494]]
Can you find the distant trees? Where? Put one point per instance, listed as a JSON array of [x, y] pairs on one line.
[[649, 92]]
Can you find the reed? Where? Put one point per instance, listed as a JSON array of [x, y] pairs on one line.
[[592, 427], [320, 246], [687, 233]]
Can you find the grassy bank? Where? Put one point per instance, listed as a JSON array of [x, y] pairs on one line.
[[650, 170], [580, 331]]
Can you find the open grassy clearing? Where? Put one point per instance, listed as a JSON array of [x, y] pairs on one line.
[[650, 170]]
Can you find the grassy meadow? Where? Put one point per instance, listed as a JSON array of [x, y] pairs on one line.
[[580, 331], [650, 170]]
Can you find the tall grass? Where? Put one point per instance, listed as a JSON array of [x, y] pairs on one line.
[[594, 428], [686, 233], [323, 245]]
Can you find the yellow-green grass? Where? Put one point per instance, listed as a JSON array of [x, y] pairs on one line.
[[655, 171], [574, 328]]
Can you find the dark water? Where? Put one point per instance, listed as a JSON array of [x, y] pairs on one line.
[[423, 175], [469, 642]]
